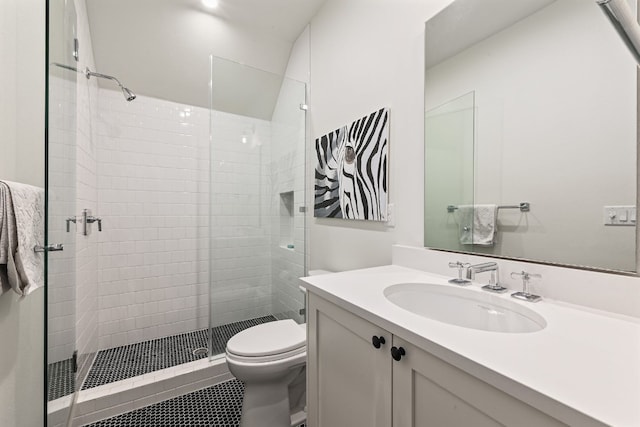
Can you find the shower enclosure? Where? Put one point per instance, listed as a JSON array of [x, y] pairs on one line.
[[182, 223]]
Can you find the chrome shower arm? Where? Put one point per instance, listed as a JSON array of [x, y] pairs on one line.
[[88, 73], [128, 94]]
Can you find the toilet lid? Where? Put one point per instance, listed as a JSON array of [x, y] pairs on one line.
[[268, 339]]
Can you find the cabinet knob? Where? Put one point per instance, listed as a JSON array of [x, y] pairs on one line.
[[377, 341], [397, 353]]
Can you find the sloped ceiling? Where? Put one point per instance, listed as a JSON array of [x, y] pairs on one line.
[[161, 48]]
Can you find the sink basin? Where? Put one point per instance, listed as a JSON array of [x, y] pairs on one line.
[[464, 307]]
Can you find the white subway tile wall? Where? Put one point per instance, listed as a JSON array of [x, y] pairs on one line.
[[153, 200], [153, 191]]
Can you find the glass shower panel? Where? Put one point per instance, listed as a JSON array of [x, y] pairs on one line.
[[61, 191], [257, 163], [449, 152]]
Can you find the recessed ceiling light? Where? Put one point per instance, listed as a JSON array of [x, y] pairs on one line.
[[210, 4]]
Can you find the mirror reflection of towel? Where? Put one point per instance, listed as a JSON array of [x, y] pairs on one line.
[[477, 224], [21, 229]]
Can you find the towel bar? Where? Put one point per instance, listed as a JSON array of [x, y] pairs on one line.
[[523, 206]]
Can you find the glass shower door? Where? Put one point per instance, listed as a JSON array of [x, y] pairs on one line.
[[257, 197], [61, 211]]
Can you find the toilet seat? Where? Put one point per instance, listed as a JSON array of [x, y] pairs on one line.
[[264, 359], [267, 342]]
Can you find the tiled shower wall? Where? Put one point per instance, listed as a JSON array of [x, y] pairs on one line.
[[153, 200], [153, 191]]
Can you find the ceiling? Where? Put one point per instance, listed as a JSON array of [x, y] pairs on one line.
[[161, 48]]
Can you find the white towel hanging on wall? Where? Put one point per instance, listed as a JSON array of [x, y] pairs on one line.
[[477, 224], [21, 229]]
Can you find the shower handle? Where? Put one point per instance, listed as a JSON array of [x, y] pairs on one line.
[[87, 219], [70, 220]]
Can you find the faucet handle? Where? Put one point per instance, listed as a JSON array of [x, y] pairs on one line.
[[524, 275], [461, 266], [525, 295]]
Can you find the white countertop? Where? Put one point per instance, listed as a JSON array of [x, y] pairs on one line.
[[583, 367]]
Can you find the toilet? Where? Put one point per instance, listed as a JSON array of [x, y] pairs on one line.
[[270, 360]]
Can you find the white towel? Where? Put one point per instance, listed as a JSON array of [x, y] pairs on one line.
[[21, 229], [478, 224]]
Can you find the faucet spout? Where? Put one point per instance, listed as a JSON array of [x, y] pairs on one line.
[[492, 267], [481, 268]]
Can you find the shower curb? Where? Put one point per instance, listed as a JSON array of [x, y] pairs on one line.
[[109, 400]]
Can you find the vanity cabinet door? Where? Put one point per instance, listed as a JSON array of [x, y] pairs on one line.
[[349, 379], [430, 392]]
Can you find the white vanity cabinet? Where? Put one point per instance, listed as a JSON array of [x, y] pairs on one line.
[[348, 379], [427, 391], [353, 383]]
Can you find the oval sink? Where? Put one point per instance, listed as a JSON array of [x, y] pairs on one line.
[[463, 307]]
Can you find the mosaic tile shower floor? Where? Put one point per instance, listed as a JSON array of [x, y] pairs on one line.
[[119, 363], [217, 406]]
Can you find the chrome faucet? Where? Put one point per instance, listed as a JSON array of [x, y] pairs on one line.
[[493, 285]]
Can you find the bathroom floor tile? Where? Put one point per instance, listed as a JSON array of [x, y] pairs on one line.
[[129, 361], [220, 405], [60, 379]]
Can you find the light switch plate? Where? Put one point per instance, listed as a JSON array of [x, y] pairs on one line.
[[391, 215], [619, 215]]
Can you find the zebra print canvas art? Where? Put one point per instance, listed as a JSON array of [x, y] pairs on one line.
[[351, 176]]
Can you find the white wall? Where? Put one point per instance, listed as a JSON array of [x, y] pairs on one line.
[[22, 50], [366, 55], [22, 24]]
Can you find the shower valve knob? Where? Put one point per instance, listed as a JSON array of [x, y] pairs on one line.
[[377, 341]]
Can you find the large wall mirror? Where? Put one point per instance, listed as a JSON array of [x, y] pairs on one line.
[[531, 133]]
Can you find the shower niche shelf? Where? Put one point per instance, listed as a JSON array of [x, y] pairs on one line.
[[286, 220]]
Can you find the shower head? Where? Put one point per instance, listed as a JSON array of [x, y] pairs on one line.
[[625, 23], [128, 94]]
